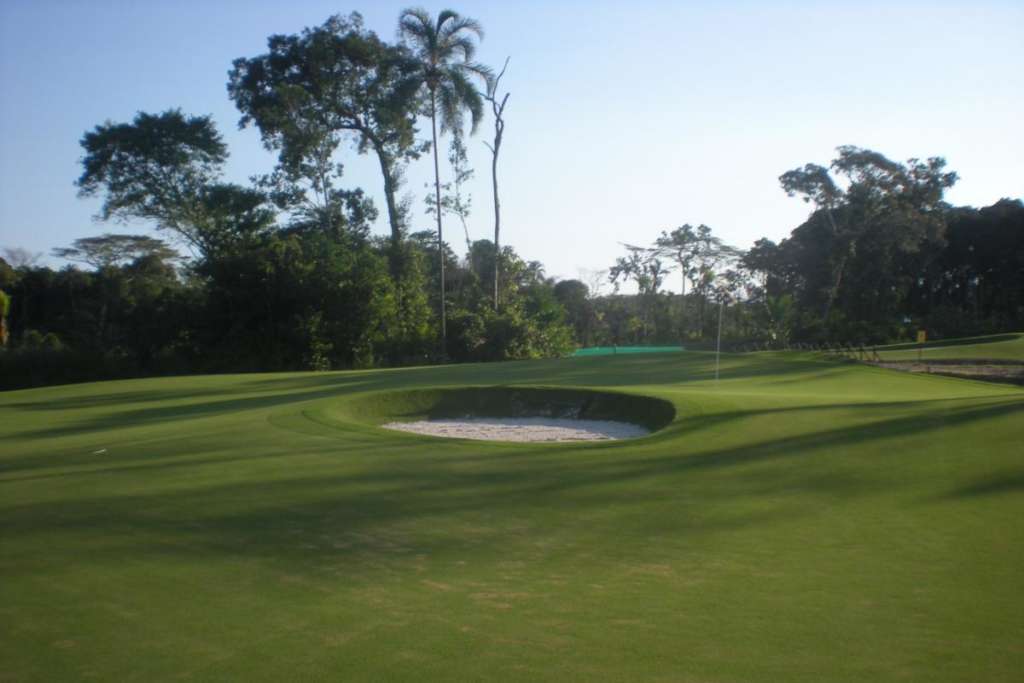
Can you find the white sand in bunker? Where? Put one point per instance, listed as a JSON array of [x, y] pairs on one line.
[[522, 429]]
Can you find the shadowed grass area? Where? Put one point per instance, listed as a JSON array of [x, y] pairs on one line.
[[797, 521]]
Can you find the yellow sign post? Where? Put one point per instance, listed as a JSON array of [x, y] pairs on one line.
[[922, 337]]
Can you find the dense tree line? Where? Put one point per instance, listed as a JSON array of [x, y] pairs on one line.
[[266, 297], [880, 256], [287, 300], [284, 274]]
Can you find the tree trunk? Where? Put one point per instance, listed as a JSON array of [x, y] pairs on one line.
[[394, 218], [702, 300], [682, 304], [440, 234], [833, 293], [499, 131], [101, 324], [497, 217]]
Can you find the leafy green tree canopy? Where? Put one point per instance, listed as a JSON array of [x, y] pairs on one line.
[[308, 90], [154, 168], [443, 51], [864, 192], [115, 250]]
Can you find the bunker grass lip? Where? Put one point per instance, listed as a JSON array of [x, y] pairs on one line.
[[639, 414]]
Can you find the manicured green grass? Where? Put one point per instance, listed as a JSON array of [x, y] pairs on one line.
[[799, 521], [993, 347], [617, 350]]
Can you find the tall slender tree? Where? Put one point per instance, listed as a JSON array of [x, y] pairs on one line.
[[643, 266], [711, 255], [444, 49], [680, 246], [498, 109], [456, 200]]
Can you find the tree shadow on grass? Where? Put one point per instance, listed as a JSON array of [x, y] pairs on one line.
[[342, 434], [634, 370], [356, 502], [138, 417], [168, 454], [823, 442], [114, 398], [631, 370], [1009, 482]]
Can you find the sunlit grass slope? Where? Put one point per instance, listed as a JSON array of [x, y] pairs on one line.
[[992, 347], [799, 521]]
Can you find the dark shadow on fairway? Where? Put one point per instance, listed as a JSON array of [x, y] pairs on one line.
[[171, 456], [101, 400], [225, 388], [146, 416], [1011, 482], [678, 368], [335, 502]]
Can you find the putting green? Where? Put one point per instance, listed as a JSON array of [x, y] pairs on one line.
[[1008, 347], [800, 520]]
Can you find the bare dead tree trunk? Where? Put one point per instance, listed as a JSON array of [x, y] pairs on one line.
[[499, 130], [497, 218]]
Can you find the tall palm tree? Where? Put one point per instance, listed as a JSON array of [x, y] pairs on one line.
[[444, 49]]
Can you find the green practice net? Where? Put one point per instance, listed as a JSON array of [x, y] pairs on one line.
[[615, 350]]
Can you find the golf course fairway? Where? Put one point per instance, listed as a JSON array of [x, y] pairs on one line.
[[798, 520]]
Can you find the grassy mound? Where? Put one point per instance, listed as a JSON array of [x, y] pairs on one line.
[[800, 520]]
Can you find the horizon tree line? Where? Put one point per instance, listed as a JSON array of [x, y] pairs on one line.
[[293, 297]]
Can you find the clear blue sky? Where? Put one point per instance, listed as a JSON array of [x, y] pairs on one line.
[[625, 118]]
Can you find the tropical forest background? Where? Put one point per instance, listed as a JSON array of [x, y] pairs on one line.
[[284, 273]]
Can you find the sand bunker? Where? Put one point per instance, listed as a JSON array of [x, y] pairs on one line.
[[523, 429], [518, 414]]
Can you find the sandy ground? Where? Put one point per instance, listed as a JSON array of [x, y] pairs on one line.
[[522, 429], [990, 370]]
